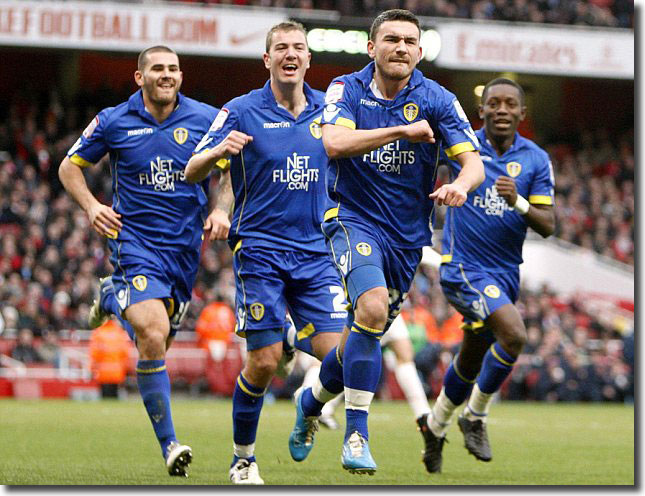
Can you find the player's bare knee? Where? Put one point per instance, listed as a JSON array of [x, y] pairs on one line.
[[471, 354], [513, 339], [262, 364], [468, 369], [372, 308], [151, 344], [261, 368]]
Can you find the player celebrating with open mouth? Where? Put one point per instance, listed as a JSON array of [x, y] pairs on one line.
[[278, 176]]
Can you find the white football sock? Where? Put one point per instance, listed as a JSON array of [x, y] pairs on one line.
[[356, 399], [243, 450], [409, 382], [478, 405], [441, 415]]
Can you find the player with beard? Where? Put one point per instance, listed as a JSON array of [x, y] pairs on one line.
[[154, 226], [482, 251], [384, 128]]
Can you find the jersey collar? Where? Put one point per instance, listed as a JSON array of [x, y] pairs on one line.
[[518, 142], [366, 75], [135, 104], [269, 101]]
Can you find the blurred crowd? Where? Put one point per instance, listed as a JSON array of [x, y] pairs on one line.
[[572, 353], [595, 193], [612, 13], [50, 258]]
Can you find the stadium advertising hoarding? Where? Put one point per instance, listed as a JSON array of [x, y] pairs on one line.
[[133, 27], [497, 46], [570, 51], [354, 41]]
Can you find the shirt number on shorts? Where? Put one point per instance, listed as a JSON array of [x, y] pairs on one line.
[[339, 303]]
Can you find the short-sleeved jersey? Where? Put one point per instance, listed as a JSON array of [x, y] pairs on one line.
[[485, 231], [389, 187], [278, 179], [147, 160]]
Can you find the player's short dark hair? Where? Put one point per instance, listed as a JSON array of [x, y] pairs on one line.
[[284, 26], [502, 80], [393, 15], [143, 56]]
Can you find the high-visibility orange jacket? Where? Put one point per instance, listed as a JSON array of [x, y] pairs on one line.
[[109, 353], [215, 322]]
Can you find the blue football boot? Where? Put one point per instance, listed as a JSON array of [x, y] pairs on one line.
[[301, 439], [356, 456]]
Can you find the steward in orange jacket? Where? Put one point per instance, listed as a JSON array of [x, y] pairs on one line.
[[109, 356]]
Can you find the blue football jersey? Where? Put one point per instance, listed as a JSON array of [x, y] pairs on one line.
[[147, 161], [279, 178], [485, 231], [389, 187]]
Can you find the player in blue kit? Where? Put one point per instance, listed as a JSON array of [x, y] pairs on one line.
[[278, 176], [154, 226], [482, 251], [383, 129]]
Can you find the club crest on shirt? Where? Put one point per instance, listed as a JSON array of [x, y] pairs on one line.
[[257, 310], [140, 282], [364, 249], [315, 129], [513, 169], [410, 111], [492, 291], [181, 135]]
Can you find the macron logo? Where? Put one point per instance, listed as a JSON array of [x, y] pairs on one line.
[[139, 132], [276, 125], [370, 103]]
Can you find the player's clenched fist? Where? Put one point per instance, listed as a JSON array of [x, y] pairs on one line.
[[506, 189], [452, 195], [419, 132], [232, 144]]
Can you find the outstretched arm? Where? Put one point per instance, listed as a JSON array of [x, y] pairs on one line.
[[341, 141], [103, 219], [470, 176]]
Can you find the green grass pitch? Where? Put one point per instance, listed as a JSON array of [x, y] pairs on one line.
[[111, 442]]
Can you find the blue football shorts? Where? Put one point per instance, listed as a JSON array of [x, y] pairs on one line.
[[142, 273], [476, 293], [270, 282], [366, 260]]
